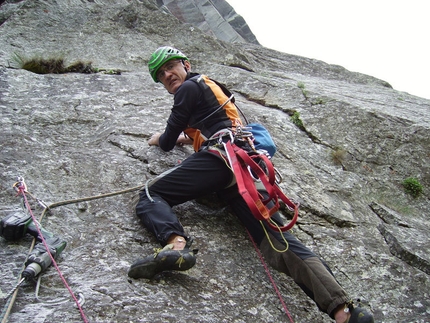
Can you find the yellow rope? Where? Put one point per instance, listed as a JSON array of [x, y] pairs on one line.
[[270, 241]]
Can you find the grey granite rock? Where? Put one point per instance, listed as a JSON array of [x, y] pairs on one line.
[[73, 136]]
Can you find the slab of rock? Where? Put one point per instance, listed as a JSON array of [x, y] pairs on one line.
[[74, 137]]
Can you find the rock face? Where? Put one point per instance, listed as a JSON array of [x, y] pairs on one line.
[[74, 136], [216, 18]]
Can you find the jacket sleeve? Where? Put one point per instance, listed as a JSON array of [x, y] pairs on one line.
[[184, 105]]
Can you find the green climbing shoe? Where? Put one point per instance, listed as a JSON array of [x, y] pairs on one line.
[[360, 315], [162, 260]]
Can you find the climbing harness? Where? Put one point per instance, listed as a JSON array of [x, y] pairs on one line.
[[21, 188], [255, 175], [243, 164]]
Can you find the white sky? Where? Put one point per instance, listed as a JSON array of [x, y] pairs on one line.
[[387, 39]]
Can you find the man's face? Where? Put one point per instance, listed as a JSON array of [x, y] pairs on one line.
[[172, 74]]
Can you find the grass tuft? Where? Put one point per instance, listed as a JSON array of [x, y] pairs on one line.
[[56, 65], [295, 118], [412, 186]]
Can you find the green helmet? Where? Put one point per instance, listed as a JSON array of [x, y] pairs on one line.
[[161, 56]]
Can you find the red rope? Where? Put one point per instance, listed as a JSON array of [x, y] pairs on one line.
[[22, 190], [271, 278]]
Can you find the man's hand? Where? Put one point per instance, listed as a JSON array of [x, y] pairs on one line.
[[153, 141], [184, 140]]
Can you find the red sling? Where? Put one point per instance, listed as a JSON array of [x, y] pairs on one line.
[[242, 165]]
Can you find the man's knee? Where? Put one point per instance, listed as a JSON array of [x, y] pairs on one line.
[[272, 256]]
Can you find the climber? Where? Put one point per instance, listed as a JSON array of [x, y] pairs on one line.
[[195, 98]]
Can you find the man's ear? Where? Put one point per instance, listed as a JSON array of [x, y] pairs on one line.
[[187, 65]]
